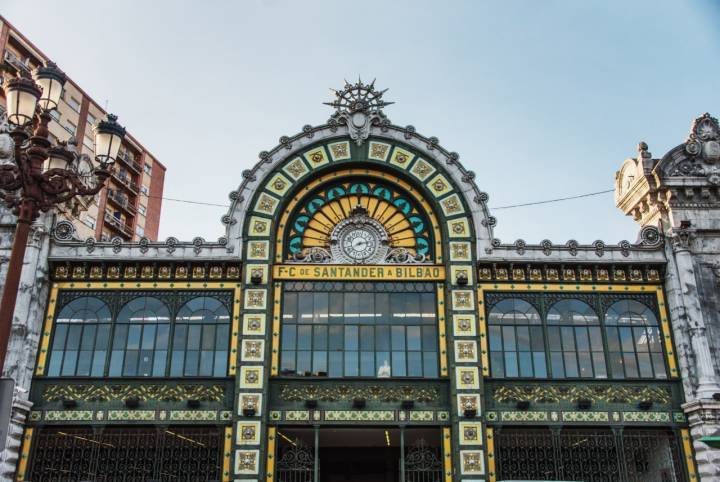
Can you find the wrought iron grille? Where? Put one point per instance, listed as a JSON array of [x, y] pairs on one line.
[[423, 463], [589, 455], [296, 463], [125, 454]]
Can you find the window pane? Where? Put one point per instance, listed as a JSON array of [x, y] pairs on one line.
[[145, 358], [508, 339], [116, 363], [497, 364], [414, 363], [220, 367], [320, 338], [69, 363], [631, 369], [208, 337], [599, 364], [596, 342], [131, 362], [556, 363], [73, 337], [430, 338], [537, 338], [539, 362], [554, 338], [382, 308], [193, 341], [430, 364], [148, 337], [526, 368], [320, 308], [413, 338], [304, 362], [398, 337], [305, 307], [336, 364], [351, 338], [98, 364], [641, 339], [59, 338], [511, 369], [495, 338], [159, 363], [645, 365], [289, 308], [336, 309], [616, 365], [304, 336], [367, 338], [352, 307], [88, 338], [427, 307], [585, 362], [287, 361], [351, 363], [192, 360], [523, 338], [398, 364], [178, 363], [336, 338], [367, 363], [658, 362], [582, 339], [568, 338], [83, 363], [366, 310], [571, 369], [626, 339], [319, 361], [163, 334], [382, 362]]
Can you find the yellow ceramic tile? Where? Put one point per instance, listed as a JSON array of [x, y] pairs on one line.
[[259, 226], [465, 351], [378, 151], [452, 205], [248, 433], [316, 157], [251, 377], [458, 228], [470, 433], [252, 350], [439, 185], [463, 300], [255, 299], [401, 158], [296, 168], [266, 204], [254, 324], [467, 378], [460, 251], [256, 269], [258, 250], [278, 184], [458, 271], [464, 325], [339, 151]]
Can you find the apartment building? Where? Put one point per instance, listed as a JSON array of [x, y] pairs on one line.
[[129, 207]]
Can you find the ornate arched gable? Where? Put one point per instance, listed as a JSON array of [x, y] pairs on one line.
[[359, 136]]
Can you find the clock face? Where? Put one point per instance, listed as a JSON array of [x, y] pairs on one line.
[[359, 244]]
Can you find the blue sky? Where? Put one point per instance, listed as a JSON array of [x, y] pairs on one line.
[[542, 99]]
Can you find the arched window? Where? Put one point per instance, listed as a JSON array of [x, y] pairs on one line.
[[140, 341], [634, 341], [575, 341], [79, 346], [201, 339], [517, 344]]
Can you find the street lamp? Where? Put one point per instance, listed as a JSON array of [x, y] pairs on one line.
[[42, 175]]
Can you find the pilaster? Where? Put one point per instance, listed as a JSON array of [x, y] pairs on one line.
[[704, 420]]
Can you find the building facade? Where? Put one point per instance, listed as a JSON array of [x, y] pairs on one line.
[[129, 207], [359, 321]]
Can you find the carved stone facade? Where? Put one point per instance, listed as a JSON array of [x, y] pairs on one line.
[[679, 194]]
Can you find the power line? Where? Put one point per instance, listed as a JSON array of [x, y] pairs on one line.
[[554, 200], [510, 206]]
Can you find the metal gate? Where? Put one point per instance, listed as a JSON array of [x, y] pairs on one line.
[[296, 463], [422, 463]]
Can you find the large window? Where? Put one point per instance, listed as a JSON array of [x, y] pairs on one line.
[[634, 341], [359, 329], [147, 335], [565, 338], [82, 331], [517, 345]]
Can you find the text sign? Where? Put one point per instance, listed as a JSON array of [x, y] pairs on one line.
[[364, 273]]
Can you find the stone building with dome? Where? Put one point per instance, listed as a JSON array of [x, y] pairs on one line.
[[359, 321]]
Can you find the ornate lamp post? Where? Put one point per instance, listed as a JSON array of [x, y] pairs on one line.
[[43, 176]]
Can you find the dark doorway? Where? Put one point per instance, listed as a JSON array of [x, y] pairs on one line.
[[372, 454]]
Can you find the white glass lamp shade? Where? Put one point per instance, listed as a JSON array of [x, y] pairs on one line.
[[108, 137], [58, 158], [22, 96], [51, 80]]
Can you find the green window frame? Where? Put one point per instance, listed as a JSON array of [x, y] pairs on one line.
[[82, 330], [136, 334], [564, 338], [343, 330]]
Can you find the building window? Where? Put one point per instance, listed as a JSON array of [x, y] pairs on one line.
[[634, 341], [359, 329], [144, 190], [147, 168], [140, 341], [70, 126], [142, 209], [79, 345], [517, 345], [55, 114], [91, 119], [74, 104], [575, 341], [89, 143], [90, 221], [201, 339], [144, 339], [139, 230], [572, 341]]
